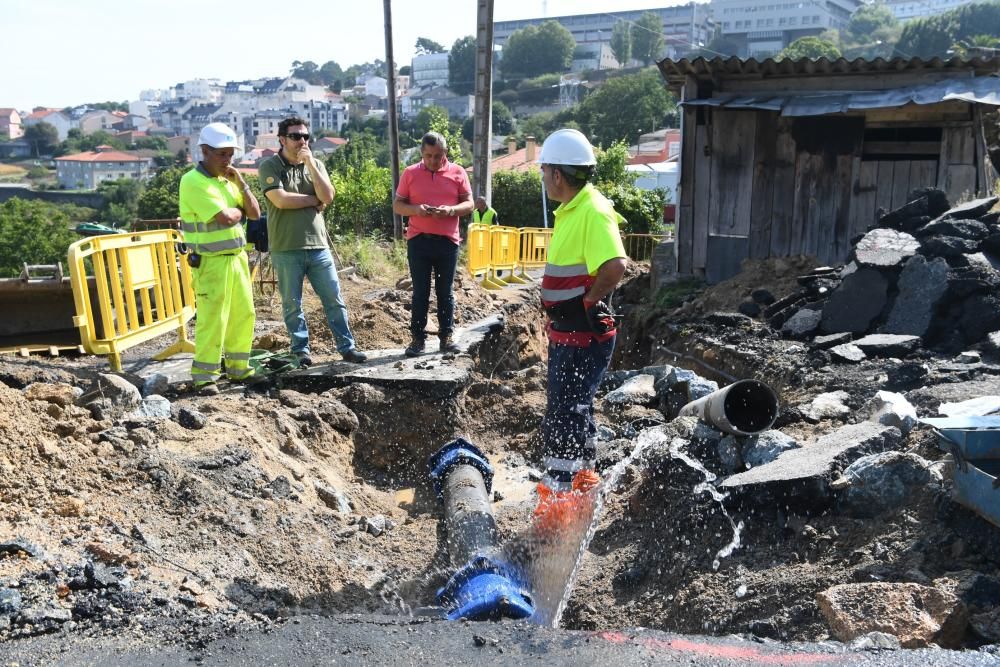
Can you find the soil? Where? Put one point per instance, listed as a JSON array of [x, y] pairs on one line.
[[179, 533]]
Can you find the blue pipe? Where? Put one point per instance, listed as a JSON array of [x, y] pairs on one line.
[[483, 587]]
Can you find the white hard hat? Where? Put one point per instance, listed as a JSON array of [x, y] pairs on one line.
[[217, 135], [567, 147]]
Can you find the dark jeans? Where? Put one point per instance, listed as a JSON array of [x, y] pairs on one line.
[[428, 254], [568, 430]]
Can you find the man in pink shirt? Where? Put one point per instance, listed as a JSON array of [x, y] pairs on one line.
[[434, 194]]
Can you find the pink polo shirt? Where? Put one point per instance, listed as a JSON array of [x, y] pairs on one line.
[[445, 187]]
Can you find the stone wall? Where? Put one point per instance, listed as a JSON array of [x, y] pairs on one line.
[[89, 199]]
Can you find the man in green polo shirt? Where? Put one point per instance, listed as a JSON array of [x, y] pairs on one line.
[[297, 189]]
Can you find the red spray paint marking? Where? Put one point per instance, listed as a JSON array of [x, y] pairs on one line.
[[747, 654]]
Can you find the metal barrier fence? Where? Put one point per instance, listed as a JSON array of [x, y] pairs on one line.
[[143, 290], [534, 248], [639, 247], [493, 249]]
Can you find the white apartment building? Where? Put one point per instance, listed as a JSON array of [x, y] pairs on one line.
[[430, 69], [685, 27], [905, 10], [765, 27]]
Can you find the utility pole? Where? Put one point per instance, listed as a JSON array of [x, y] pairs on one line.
[[390, 65], [483, 119]]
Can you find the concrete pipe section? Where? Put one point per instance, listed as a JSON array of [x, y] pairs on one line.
[[745, 407], [482, 587]]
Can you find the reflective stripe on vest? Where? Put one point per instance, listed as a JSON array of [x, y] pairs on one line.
[[486, 219], [212, 238], [560, 283], [207, 238]]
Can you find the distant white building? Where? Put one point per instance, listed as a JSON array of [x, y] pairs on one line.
[[765, 28], [89, 169], [599, 56], [57, 118], [429, 69], [905, 10], [377, 86]]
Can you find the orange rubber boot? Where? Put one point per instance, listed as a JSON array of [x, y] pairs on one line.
[[558, 510]]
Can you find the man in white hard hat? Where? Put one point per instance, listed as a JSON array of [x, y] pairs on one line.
[[586, 261], [214, 201]]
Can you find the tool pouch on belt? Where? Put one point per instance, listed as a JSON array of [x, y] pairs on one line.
[[257, 234], [571, 315]]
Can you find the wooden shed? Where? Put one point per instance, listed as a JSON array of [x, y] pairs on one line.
[[784, 158]]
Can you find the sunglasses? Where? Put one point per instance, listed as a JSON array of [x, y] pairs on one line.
[[298, 136]]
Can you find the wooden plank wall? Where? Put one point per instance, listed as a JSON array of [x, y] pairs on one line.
[[957, 163], [786, 186]]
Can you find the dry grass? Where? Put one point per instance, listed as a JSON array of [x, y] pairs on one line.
[[12, 170]]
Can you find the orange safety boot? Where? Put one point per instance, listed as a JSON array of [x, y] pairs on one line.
[[557, 511]]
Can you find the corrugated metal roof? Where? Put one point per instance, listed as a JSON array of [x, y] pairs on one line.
[[675, 70], [983, 89]]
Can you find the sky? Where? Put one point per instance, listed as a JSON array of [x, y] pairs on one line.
[[68, 52]]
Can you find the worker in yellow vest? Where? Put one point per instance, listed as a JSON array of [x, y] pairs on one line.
[[586, 261], [484, 214], [214, 201]]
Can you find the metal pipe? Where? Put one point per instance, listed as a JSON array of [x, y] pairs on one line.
[[482, 587], [745, 407]]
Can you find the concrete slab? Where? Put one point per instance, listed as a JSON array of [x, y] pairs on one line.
[[432, 372], [440, 375], [807, 471]]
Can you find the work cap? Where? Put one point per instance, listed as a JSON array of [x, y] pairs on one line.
[[567, 146], [218, 135]]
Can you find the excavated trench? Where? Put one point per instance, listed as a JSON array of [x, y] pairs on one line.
[[262, 506]]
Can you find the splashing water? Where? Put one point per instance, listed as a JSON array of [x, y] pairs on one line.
[[553, 565], [677, 451]]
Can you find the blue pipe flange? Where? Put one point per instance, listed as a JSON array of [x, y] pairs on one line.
[[484, 589], [459, 452]]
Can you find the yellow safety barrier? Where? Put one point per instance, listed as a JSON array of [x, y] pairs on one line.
[[534, 249], [505, 243], [478, 251], [143, 290]]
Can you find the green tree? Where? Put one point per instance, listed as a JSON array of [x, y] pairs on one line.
[[35, 232], [871, 33], [625, 107], [647, 38], [813, 48], [462, 66], [363, 204], [405, 70], [425, 46], [108, 106], [517, 196], [77, 142], [976, 44], [307, 70], [621, 42], [43, 138], [331, 75], [121, 201], [158, 200], [431, 117], [536, 50], [935, 35], [361, 147], [501, 121]]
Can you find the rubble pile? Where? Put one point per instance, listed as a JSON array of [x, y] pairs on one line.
[[927, 276]]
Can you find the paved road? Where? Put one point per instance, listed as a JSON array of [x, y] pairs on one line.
[[363, 640]]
